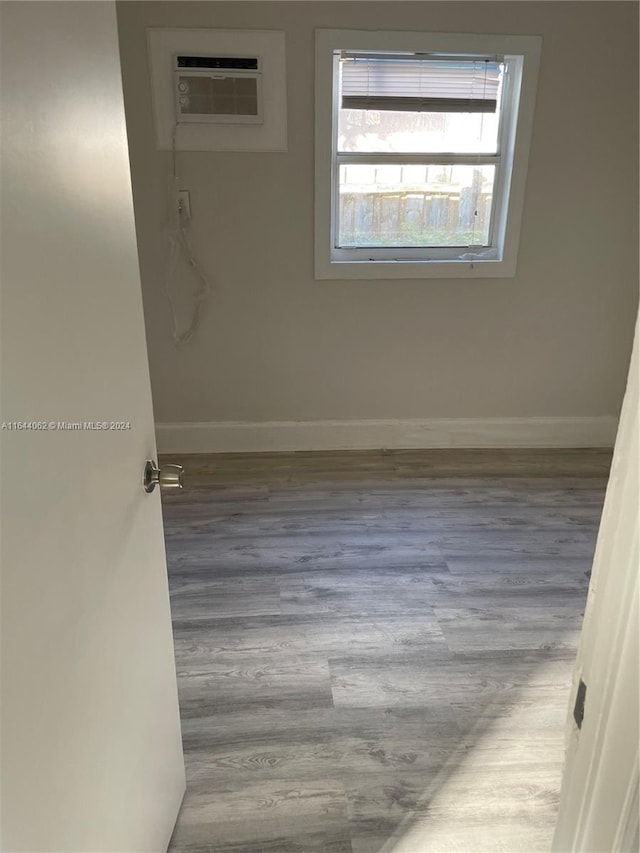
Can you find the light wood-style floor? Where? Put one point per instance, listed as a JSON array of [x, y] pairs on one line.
[[374, 649]]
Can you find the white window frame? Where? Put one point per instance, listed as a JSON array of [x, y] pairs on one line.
[[522, 58]]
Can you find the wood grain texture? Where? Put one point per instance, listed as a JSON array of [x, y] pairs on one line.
[[374, 649]]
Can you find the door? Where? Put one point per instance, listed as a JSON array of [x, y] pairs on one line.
[[599, 800], [91, 748]]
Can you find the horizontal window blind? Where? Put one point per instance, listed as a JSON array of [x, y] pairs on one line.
[[411, 84]]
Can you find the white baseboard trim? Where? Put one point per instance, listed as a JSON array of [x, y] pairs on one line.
[[247, 437]]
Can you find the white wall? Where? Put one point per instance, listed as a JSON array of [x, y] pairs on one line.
[[276, 345]]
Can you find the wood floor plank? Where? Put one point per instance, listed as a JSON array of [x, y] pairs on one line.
[[374, 649], [422, 677], [312, 636], [284, 816], [521, 627], [235, 682]]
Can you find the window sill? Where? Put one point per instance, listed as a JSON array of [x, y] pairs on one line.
[[366, 270]]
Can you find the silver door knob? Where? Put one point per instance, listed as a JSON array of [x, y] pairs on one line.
[[167, 477]]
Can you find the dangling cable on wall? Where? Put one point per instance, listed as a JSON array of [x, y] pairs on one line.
[[180, 249]]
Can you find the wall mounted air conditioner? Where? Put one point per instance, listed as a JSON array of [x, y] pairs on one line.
[[218, 89]]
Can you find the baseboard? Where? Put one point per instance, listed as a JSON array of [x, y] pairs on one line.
[[247, 437]]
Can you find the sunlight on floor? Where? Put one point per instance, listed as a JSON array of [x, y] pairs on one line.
[[482, 800]]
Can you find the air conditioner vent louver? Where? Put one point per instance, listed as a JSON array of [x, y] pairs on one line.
[[237, 62], [218, 89]]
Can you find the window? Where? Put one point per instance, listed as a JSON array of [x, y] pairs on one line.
[[421, 151]]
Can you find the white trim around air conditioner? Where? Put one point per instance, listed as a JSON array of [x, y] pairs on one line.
[[268, 45], [247, 437]]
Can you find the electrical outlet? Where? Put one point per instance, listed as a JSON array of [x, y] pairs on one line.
[[184, 205]]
